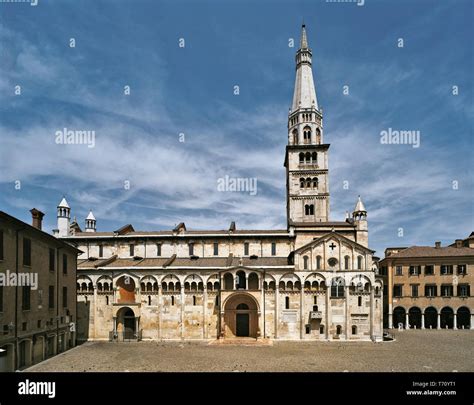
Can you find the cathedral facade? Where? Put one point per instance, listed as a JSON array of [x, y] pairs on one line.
[[314, 280]]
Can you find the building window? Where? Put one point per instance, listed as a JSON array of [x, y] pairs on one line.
[[274, 249], [346, 262], [191, 249], [24, 326], [415, 270], [359, 262], [398, 271], [446, 269], [315, 182], [106, 300], [246, 249], [398, 290], [172, 300], [301, 158], [429, 270], [26, 298], [149, 300], [158, 249], [337, 288], [26, 252], [101, 250], [305, 262], [287, 302], [309, 209], [414, 290], [51, 259], [354, 330], [430, 291], [51, 297], [359, 301], [64, 264], [321, 329], [461, 269], [194, 300], [464, 290], [132, 249], [1, 245], [39, 324], [447, 291], [318, 262], [64, 297], [338, 329], [216, 249]]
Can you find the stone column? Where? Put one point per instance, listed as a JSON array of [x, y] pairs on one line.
[[372, 313], [204, 313], [328, 309], [422, 320], [472, 321], [137, 326], [390, 320], [182, 310], [302, 324], [346, 312], [407, 320], [160, 310], [277, 303], [95, 311], [439, 321], [455, 321]]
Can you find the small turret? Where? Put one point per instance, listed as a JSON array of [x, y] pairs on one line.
[[64, 218], [90, 222], [360, 213], [359, 217]]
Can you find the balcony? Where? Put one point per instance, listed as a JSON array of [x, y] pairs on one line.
[[316, 315]]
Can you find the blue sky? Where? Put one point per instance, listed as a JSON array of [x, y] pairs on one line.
[[190, 90]]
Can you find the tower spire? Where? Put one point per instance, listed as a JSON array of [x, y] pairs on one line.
[[304, 39]]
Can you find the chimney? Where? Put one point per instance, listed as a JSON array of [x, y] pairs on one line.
[[459, 243], [37, 218], [437, 245]]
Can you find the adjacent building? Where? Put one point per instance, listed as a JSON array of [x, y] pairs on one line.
[[37, 293], [314, 280], [430, 286]]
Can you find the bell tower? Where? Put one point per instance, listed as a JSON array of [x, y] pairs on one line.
[[306, 159]]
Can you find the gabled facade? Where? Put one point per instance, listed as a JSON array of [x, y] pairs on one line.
[[316, 279]]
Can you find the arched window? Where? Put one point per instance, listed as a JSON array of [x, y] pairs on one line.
[[209, 286], [314, 285], [149, 300], [359, 301], [253, 281], [318, 136], [315, 182], [359, 262], [302, 182], [305, 262], [337, 288], [321, 329], [308, 182], [307, 135], [172, 300], [307, 285], [164, 286], [309, 209], [228, 281], [187, 286], [106, 300], [318, 262], [194, 300], [217, 285], [241, 281], [289, 285], [149, 286], [281, 285], [346, 262], [242, 307], [287, 302], [354, 330], [308, 157], [301, 157], [338, 329], [295, 137]]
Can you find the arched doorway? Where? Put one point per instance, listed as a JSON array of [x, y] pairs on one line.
[[463, 318], [414, 317], [398, 317], [431, 318], [240, 316], [447, 318], [126, 323]]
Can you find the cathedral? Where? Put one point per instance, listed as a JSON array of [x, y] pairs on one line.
[[315, 280]]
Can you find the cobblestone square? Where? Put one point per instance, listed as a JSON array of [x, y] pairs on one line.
[[412, 351]]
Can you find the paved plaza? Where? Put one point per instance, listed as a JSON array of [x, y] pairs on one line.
[[413, 351]]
